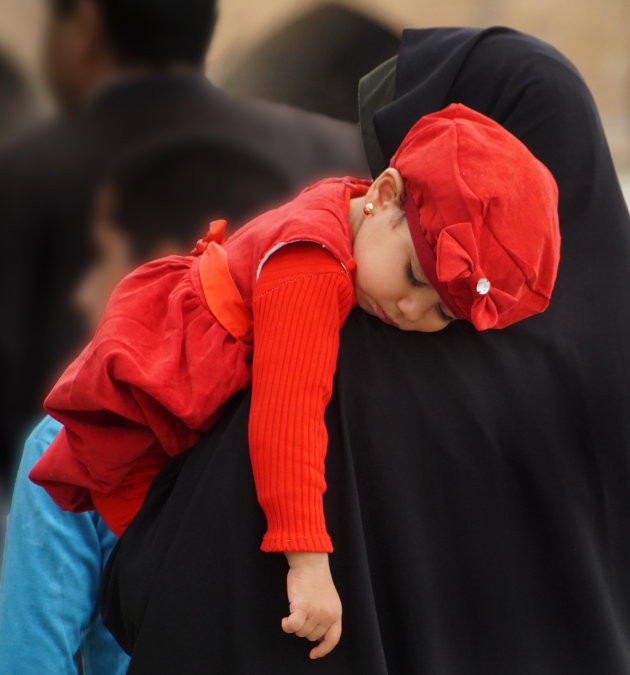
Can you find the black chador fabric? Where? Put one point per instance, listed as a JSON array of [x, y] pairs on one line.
[[478, 484]]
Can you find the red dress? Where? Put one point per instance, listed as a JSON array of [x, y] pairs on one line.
[[176, 342]]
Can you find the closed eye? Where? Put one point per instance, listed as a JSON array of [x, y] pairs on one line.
[[412, 278]]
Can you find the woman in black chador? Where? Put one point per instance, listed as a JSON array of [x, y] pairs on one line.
[[478, 483]]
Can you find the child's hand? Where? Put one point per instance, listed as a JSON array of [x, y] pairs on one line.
[[314, 604]]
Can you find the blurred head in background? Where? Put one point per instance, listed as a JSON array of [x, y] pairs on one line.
[[315, 60], [88, 41], [159, 200]]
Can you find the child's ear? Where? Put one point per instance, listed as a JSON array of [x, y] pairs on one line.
[[388, 188]]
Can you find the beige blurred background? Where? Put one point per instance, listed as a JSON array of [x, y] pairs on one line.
[[594, 35]]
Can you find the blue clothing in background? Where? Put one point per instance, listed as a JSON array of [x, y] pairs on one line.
[[53, 561]]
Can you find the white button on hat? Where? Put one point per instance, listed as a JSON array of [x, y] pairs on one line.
[[483, 286]]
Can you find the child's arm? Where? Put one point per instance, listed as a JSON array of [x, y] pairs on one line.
[[302, 298], [300, 302]]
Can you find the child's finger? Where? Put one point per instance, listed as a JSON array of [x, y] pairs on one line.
[[328, 642], [317, 633], [294, 622], [308, 627]]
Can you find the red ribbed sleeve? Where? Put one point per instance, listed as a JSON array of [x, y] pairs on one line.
[[302, 298]]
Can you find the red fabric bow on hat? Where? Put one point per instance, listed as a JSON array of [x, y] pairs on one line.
[[458, 266], [216, 230]]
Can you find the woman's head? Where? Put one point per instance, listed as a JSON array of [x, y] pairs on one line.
[[482, 216]]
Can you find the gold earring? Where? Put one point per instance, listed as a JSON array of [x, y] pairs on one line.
[[368, 209]]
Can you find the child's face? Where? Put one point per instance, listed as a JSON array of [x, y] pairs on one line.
[[389, 282], [113, 261]]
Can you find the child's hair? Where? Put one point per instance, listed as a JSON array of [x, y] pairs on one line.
[[172, 189]]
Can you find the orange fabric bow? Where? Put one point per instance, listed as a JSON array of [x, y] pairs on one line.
[[216, 230]]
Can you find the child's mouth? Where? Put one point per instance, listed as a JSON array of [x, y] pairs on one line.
[[384, 317]]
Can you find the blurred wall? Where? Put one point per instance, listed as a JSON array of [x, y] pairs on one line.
[[592, 34]]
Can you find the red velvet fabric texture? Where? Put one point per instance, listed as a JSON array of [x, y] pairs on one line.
[[151, 382], [483, 214]]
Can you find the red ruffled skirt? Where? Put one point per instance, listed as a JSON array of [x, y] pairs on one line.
[[150, 383]]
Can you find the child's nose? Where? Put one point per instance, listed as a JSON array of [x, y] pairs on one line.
[[413, 307]]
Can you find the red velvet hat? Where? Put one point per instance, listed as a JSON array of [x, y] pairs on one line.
[[483, 216]]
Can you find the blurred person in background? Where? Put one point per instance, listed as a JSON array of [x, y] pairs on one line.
[[123, 72], [154, 201], [315, 61]]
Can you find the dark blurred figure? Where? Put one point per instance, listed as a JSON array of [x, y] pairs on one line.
[[316, 61], [17, 103], [155, 200], [125, 72]]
